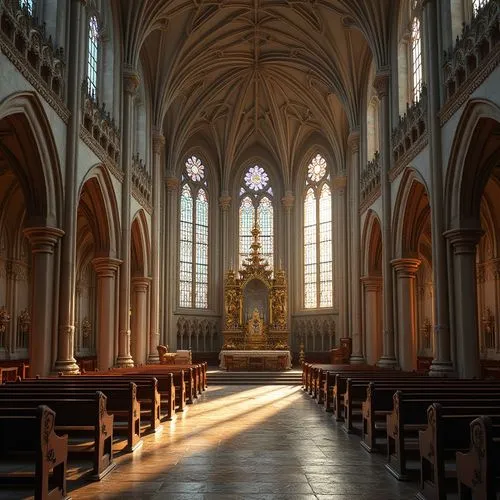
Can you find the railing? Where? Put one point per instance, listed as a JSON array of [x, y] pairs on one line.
[[141, 179], [472, 48], [370, 177], [411, 127]]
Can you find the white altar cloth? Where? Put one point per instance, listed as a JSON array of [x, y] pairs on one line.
[[254, 354]]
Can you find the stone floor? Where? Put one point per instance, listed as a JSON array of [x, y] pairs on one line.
[[247, 442]]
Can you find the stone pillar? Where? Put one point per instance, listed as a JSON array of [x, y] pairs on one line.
[[355, 253], [464, 242], [406, 273], [372, 286], [441, 365], [288, 201], [140, 287], [224, 204], [106, 269], [382, 86], [339, 185], [173, 184], [43, 241], [130, 84], [66, 329], [154, 326]]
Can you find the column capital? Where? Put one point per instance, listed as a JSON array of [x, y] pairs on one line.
[[141, 283], [406, 267], [353, 140], [225, 201], [106, 267], [131, 80], [464, 240], [172, 183], [382, 82], [288, 200], [43, 239], [372, 283], [158, 141], [339, 183]]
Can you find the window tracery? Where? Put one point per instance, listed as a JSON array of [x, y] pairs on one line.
[[478, 5], [318, 255], [92, 56], [416, 55], [256, 205], [193, 236], [29, 5]]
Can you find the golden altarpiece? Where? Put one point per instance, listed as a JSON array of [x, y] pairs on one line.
[[255, 304]]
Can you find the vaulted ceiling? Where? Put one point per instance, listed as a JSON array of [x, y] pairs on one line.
[[244, 78]]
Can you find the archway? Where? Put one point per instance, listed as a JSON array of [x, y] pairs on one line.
[[372, 289], [472, 216], [139, 300]]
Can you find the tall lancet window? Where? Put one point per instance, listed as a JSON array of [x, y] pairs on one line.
[[416, 53], [193, 236], [478, 4], [92, 56], [318, 255], [256, 205]]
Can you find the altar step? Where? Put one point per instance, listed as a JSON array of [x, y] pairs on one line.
[[219, 377]]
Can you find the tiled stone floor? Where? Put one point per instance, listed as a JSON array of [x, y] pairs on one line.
[[247, 442]]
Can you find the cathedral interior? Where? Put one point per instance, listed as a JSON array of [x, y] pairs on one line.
[[250, 174]]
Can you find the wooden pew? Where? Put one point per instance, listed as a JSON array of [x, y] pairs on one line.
[[409, 416], [447, 432], [86, 421], [478, 470], [8, 373], [122, 401], [30, 434]]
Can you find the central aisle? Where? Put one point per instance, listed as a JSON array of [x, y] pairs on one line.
[[267, 442]]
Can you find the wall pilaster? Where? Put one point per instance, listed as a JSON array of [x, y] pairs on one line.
[[372, 286], [140, 288]]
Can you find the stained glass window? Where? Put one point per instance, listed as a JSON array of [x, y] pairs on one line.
[[193, 237], [416, 59], [318, 254], [256, 204], [478, 4], [92, 56]]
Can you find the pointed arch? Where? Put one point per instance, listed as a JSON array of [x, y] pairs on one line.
[[372, 245], [141, 245]]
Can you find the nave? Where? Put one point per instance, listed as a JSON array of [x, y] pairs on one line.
[[249, 442]]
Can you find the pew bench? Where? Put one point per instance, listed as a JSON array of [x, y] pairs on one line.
[[32, 455], [86, 422]]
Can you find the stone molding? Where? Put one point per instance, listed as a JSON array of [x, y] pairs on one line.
[[464, 240], [382, 82], [288, 201], [225, 202], [406, 267], [370, 177], [141, 179], [43, 239], [106, 267], [172, 183], [353, 141]]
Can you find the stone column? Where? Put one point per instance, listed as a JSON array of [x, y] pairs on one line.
[[43, 241], [355, 254], [406, 273], [154, 326], [140, 287], [382, 86], [130, 84], [173, 184], [441, 365], [464, 242], [339, 185], [66, 329], [372, 286], [288, 201], [106, 269], [224, 204]]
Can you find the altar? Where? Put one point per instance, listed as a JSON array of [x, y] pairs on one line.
[[255, 315], [254, 360]]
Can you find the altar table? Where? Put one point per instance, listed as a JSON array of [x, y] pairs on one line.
[[255, 360]]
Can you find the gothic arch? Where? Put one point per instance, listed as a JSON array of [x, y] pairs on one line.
[[372, 245], [141, 246], [30, 145]]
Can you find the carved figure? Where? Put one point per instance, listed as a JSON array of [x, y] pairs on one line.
[[255, 325]]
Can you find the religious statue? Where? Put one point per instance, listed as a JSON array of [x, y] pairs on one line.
[[255, 325], [232, 309]]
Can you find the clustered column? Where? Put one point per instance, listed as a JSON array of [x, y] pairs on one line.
[[355, 254], [463, 243], [372, 286], [154, 327], [406, 272], [288, 201], [224, 204], [130, 84], [382, 85], [106, 269], [43, 241], [140, 287]]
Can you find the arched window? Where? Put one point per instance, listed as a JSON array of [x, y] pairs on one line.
[[318, 255], [416, 53], [477, 5], [193, 236], [92, 56], [256, 204]]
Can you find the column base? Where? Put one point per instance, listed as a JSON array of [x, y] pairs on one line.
[[153, 359], [68, 367], [387, 362], [357, 359], [124, 362], [441, 369]]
